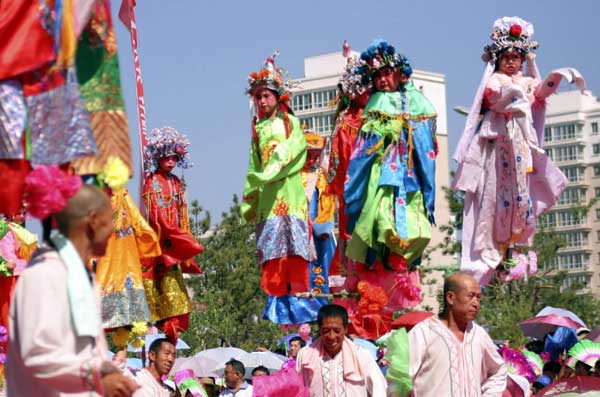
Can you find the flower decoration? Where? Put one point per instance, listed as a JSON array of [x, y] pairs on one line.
[[510, 34], [516, 363], [515, 31], [163, 142], [273, 78], [48, 190], [121, 337], [381, 54], [3, 334], [115, 174], [354, 80]]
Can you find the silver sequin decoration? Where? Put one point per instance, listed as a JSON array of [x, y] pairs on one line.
[[13, 116], [60, 125]]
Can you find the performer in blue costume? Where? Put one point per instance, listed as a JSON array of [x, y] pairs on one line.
[[390, 190], [289, 309]]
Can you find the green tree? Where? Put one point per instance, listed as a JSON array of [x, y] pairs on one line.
[[228, 300]]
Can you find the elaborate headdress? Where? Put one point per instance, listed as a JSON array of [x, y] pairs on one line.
[[354, 80], [163, 142], [314, 141], [381, 54], [508, 34], [271, 77]]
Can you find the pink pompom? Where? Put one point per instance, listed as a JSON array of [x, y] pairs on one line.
[[48, 190], [533, 267]]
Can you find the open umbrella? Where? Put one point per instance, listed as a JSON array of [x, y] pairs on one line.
[[368, 346], [538, 327], [252, 360], [201, 366], [561, 312], [221, 355], [181, 345], [581, 386], [410, 319]]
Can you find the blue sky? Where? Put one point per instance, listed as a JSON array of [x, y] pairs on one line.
[[196, 54]]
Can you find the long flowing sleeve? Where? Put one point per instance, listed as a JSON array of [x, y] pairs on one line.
[[288, 158], [42, 326], [146, 238], [323, 223], [494, 369], [251, 192], [424, 161]]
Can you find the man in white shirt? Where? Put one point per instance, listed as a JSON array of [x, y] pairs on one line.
[[234, 380], [162, 355]]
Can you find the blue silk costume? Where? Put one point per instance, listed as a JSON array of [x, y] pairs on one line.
[[390, 190]]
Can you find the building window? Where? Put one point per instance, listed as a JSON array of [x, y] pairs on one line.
[[323, 123], [323, 98], [302, 102], [597, 213], [548, 134], [594, 127], [568, 218], [549, 221], [596, 148], [597, 170], [573, 174], [580, 280], [598, 235], [571, 196], [566, 153], [574, 239], [564, 132], [306, 121]]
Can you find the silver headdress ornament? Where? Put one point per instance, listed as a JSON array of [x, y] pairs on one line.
[[271, 77], [353, 81], [508, 34]]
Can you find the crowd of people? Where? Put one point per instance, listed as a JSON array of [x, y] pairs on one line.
[[105, 267]]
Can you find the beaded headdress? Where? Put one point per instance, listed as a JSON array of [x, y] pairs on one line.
[[510, 34], [380, 54], [163, 142], [271, 77], [354, 81]]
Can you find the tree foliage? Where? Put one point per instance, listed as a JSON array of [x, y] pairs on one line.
[[228, 300]]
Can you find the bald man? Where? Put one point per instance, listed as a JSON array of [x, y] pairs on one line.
[[56, 344], [452, 356]]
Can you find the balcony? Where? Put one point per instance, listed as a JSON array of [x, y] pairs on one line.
[[578, 138]]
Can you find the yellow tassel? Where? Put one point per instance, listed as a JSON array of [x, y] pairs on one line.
[[411, 146], [68, 42]]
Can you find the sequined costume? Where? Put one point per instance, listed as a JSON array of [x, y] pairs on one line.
[[100, 85], [42, 117], [274, 199], [166, 207], [119, 271], [290, 309]]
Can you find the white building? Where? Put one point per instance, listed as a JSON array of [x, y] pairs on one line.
[[311, 102], [572, 140]]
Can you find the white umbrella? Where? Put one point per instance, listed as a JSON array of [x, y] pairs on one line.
[[181, 345], [561, 312], [221, 355], [270, 360], [202, 366]]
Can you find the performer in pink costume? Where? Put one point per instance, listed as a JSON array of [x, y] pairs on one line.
[[507, 177]]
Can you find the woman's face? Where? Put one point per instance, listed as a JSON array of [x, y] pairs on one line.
[[266, 102], [510, 63]]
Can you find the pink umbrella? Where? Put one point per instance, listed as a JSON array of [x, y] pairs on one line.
[[538, 327], [579, 385]]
